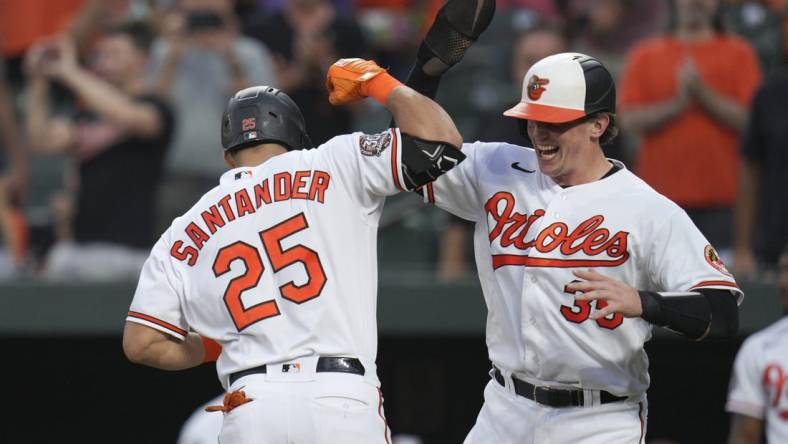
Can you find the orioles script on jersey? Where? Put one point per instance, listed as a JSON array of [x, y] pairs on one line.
[[309, 185], [588, 237]]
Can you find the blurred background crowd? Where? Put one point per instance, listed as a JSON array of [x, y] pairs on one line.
[[109, 128], [110, 112]]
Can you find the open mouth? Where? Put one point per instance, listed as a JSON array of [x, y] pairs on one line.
[[547, 152]]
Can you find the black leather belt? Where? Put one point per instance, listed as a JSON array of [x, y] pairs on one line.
[[553, 397], [334, 364]]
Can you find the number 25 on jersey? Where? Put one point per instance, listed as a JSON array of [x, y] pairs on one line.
[[271, 239]]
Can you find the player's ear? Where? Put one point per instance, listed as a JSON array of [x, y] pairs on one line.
[[599, 124], [229, 159]]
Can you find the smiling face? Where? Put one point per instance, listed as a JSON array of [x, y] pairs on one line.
[[566, 151]]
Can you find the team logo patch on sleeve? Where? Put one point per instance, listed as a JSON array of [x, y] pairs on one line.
[[374, 144], [714, 260]]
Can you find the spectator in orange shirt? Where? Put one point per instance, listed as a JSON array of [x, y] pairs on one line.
[[22, 23], [686, 95]]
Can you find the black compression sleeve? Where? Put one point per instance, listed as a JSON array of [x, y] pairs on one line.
[[724, 312], [697, 315], [423, 83]]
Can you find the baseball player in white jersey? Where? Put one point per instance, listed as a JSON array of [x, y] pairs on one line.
[[578, 258], [758, 397], [278, 263]]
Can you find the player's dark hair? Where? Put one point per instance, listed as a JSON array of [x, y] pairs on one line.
[[247, 148], [612, 130], [139, 32]]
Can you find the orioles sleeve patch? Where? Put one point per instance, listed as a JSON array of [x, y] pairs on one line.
[[714, 260], [374, 144]]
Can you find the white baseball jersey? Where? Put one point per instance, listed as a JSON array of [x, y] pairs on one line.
[[279, 261], [759, 384], [531, 234]]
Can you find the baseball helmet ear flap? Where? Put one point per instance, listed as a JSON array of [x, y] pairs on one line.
[[263, 114]]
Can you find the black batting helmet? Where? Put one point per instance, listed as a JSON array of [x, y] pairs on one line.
[[263, 114]]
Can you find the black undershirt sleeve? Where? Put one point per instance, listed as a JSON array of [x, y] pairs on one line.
[[703, 313]]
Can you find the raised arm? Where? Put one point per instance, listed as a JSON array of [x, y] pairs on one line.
[[430, 141], [349, 80], [421, 117], [44, 133], [105, 99]]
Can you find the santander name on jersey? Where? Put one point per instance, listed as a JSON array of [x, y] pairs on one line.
[[282, 186], [531, 234]]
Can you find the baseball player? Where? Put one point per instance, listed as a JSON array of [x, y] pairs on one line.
[[578, 259], [759, 385], [278, 263]]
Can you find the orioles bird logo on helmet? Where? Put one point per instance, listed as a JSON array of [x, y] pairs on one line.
[[536, 86]]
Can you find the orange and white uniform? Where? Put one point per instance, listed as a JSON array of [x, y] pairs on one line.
[[530, 235], [759, 384], [278, 264]]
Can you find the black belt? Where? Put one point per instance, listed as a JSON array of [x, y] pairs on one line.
[[333, 364], [553, 397]]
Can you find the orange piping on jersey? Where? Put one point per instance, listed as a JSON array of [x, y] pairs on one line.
[[430, 193], [712, 283], [394, 157], [500, 260], [383, 417], [159, 322], [642, 422]]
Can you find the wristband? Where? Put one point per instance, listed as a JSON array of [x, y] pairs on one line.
[[212, 349], [380, 86]]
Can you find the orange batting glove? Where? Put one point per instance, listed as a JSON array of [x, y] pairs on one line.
[[349, 80]]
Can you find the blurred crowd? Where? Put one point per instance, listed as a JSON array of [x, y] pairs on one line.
[[110, 109]]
